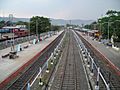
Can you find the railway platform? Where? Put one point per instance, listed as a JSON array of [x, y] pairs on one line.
[[110, 72], [10, 66], [112, 55]]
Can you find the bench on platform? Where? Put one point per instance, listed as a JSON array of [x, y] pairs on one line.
[[13, 55], [6, 55], [26, 46]]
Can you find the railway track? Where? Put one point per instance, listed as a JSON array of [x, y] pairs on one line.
[[69, 78], [70, 74], [108, 73], [31, 72]]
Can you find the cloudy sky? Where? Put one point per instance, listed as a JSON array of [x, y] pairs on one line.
[[60, 9]]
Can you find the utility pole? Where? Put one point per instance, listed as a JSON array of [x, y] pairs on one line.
[[12, 39], [29, 30], [37, 28], [108, 29], [101, 28]]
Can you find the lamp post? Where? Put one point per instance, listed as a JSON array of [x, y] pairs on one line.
[[37, 28], [12, 39], [100, 28], [29, 30], [108, 30], [108, 26], [113, 35]]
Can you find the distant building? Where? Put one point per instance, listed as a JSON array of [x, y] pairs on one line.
[[21, 26], [94, 33], [19, 30]]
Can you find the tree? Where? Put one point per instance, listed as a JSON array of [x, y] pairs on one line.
[[42, 24], [91, 26], [2, 24], [113, 18], [111, 22], [55, 28], [22, 23], [111, 12]]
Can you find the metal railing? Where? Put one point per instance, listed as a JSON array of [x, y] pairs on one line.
[[52, 57], [91, 64]]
